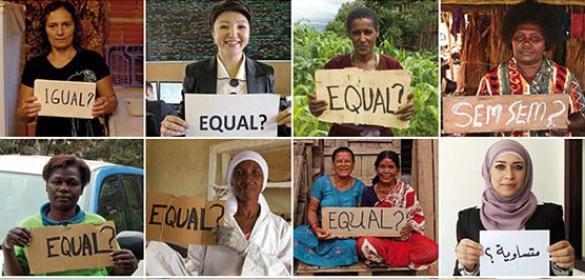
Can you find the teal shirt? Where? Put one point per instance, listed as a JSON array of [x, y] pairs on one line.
[[36, 221]]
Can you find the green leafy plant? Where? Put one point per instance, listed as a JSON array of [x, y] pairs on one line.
[[312, 49]]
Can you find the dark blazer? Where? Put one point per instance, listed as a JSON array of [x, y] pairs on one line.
[[547, 216], [201, 77]]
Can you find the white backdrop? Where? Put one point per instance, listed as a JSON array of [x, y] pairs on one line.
[[461, 183]]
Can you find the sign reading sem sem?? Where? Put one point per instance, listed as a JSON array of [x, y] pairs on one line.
[[82, 246], [232, 115], [364, 221], [363, 97], [505, 113], [514, 253], [65, 99], [182, 220]]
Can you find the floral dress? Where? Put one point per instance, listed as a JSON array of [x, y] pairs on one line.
[[333, 252]]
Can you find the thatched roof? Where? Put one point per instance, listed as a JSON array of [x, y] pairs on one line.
[[510, 2]]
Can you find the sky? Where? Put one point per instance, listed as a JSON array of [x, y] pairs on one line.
[[318, 12]]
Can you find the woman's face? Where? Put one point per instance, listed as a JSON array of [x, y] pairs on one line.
[[64, 188], [231, 32], [247, 180], [363, 35], [507, 175], [528, 44], [343, 164], [60, 28], [387, 171]]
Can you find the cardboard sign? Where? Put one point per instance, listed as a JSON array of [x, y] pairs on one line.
[[182, 220], [364, 221], [82, 246], [514, 253], [505, 113], [232, 115], [65, 99], [363, 97]]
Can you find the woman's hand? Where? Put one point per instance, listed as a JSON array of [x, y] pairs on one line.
[[231, 238], [317, 107], [562, 254], [18, 236], [30, 107], [124, 262], [407, 112], [283, 117], [576, 124], [468, 252], [405, 230], [101, 107], [321, 233], [173, 126]]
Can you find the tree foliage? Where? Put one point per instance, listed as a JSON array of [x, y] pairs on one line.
[[403, 23], [119, 151]]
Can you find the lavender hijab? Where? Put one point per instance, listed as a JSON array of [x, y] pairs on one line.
[[500, 213]]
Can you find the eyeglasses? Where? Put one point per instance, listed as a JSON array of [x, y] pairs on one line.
[[533, 38]]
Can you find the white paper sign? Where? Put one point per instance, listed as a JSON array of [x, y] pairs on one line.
[[65, 99], [514, 253], [232, 115]]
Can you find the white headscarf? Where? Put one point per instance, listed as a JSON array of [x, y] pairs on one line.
[[230, 198]]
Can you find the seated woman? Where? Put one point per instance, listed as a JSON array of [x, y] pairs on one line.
[[65, 60], [363, 29], [530, 29], [65, 177], [230, 72], [509, 204], [412, 249], [315, 245], [253, 241]]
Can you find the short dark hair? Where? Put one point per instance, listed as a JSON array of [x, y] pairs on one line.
[[45, 44], [362, 13], [64, 161], [343, 150], [230, 6], [385, 155], [546, 17]]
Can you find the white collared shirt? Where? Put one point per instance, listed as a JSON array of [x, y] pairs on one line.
[[223, 79]]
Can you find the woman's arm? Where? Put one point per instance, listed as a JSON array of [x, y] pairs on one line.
[[106, 102], [28, 108]]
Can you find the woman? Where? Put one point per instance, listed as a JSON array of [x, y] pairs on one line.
[[65, 60], [230, 72], [530, 29], [412, 249], [65, 178], [509, 204], [315, 245], [253, 241], [363, 29]]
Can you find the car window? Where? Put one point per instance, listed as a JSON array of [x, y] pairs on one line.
[[111, 205], [21, 195], [133, 187]]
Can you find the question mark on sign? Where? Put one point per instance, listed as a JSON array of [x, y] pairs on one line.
[[488, 254], [91, 96], [560, 112], [220, 216], [263, 120], [401, 93], [112, 231], [401, 218]]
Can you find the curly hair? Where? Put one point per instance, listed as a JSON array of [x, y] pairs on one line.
[[546, 17], [362, 13], [64, 161], [45, 44]]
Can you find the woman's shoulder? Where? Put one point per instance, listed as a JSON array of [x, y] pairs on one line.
[[33, 221], [261, 67], [388, 62], [340, 61], [469, 213], [200, 64], [93, 218], [90, 54], [549, 210]]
